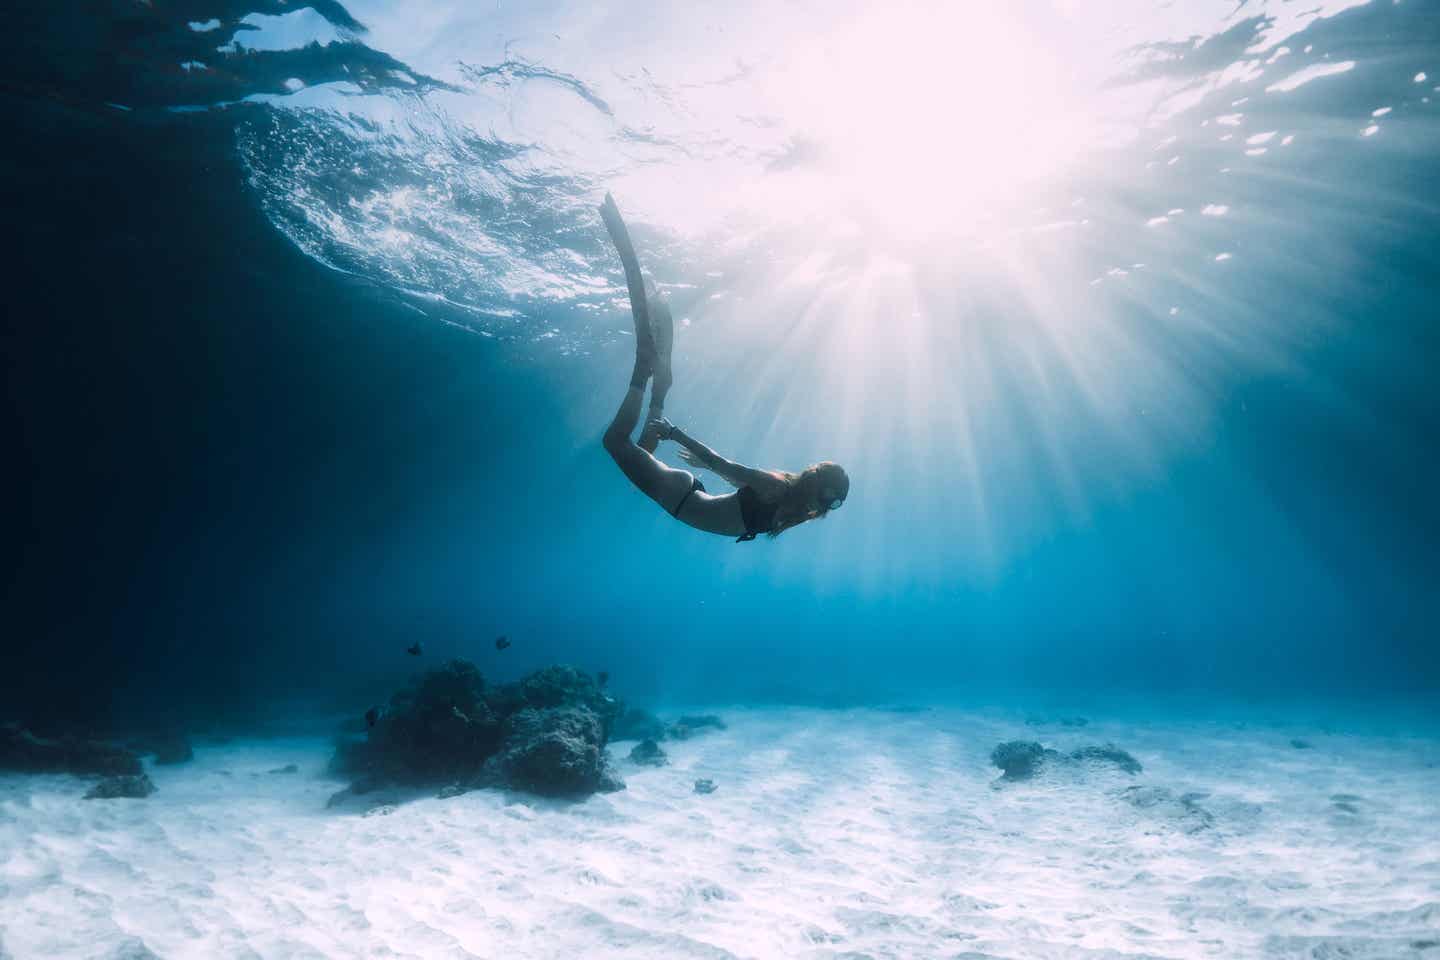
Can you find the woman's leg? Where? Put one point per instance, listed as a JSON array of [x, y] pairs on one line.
[[662, 329], [620, 429], [665, 485], [658, 482]]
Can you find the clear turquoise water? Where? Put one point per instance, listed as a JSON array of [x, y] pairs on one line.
[[1121, 317], [1121, 321]]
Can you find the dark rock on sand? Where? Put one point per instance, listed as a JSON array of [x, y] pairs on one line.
[[1299, 744], [23, 752], [554, 752], [687, 726], [569, 686], [438, 730], [705, 786], [636, 724], [352, 756], [1023, 759], [556, 686], [545, 734], [647, 753], [1109, 753], [136, 787], [1019, 759], [288, 768], [359, 788]]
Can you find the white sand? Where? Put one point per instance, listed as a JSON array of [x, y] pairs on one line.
[[832, 834]]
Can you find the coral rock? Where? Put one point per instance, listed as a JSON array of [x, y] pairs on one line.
[[648, 753], [23, 752], [556, 752], [136, 787]]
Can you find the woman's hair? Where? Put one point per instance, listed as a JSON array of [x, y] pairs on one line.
[[808, 494]]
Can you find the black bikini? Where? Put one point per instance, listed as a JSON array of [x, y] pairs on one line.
[[759, 516], [695, 484]]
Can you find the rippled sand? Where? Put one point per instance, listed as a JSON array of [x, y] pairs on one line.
[[832, 834]]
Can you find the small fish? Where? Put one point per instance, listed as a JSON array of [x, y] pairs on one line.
[[415, 649], [501, 643], [602, 677], [371, 716]]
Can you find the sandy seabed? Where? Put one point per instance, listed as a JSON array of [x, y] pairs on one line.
[[834, 834]]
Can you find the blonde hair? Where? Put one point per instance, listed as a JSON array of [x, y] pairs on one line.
[[800, 501]]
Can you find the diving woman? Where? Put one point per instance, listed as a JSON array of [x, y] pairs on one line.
[[764, 501]]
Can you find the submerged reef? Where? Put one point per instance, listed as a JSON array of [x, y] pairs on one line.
[[1024, 759], [1109, 753], [1018, 759], [23, 752], [647, 753], [135, 787], [555, 752], [544, 734], [689, 725], [635, 723]]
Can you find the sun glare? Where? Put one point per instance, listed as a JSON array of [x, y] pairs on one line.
[[928, 121]]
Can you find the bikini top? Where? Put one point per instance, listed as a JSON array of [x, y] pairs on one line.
[[759, 516]]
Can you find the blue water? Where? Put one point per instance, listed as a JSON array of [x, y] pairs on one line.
[[1120, 316], [1121, 321]]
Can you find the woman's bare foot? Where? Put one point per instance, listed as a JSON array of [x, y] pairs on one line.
[[656, 428]]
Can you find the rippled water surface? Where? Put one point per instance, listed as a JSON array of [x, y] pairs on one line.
[[458, 152]]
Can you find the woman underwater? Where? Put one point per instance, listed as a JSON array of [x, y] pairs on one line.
[[764, 501]]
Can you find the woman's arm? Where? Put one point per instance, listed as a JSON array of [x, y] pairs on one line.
[[765, 483]]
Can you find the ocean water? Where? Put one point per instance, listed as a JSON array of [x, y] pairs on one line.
[[1121, 320]]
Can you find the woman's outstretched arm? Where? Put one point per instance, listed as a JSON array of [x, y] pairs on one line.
[[739, 475]]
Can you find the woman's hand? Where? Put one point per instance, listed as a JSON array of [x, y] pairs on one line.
[[692, 458], [664, 429]]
